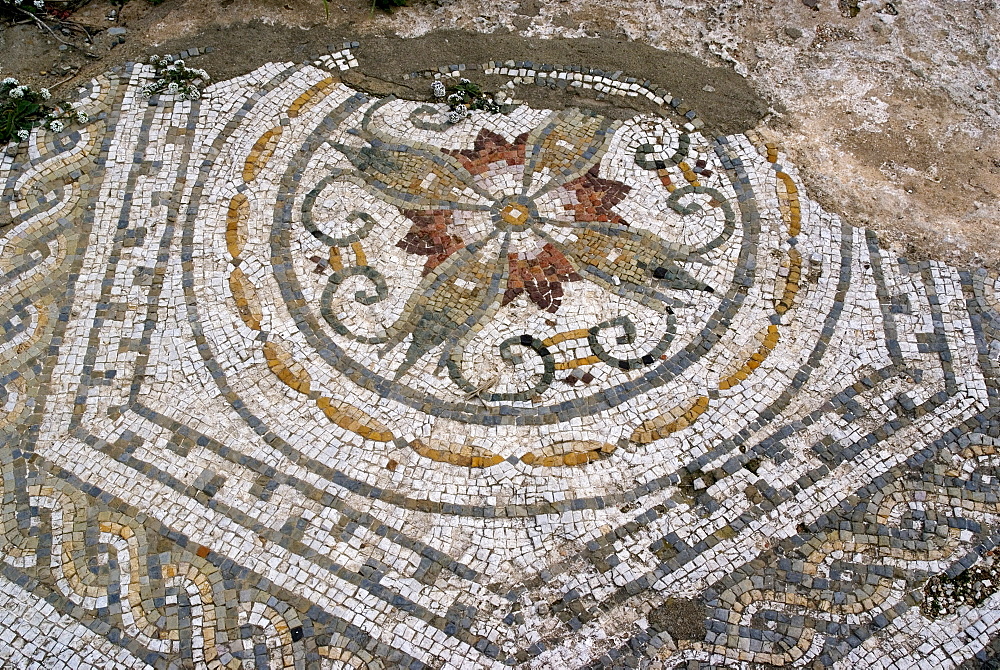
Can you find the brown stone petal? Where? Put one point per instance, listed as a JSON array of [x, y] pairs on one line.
[[540, 277], [596, 197], [429, 236], [490, 148]]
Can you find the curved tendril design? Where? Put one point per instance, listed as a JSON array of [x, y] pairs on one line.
[[717, 200], [508, 356], [422, 124], [625, 323], [688, 254], [333, 284], [345, 240], [644, 151]]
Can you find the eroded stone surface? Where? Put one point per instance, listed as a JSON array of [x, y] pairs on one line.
[[296, 376]]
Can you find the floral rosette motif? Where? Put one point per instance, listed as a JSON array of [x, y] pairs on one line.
[[551, 221]]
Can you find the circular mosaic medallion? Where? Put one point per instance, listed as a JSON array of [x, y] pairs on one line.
[[506, 267], [586, 277]]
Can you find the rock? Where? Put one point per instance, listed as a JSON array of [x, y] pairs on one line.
[[117, 30], [793, 32]]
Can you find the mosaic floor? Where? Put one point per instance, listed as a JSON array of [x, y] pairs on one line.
[[298, 377]]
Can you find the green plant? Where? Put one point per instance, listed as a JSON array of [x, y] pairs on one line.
[[471, 95], [172, 77], [16, 117], [463, 98], [22, 108]]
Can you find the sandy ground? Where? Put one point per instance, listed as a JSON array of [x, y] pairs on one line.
[[891, 110]]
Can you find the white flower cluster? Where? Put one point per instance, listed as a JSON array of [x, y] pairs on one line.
[[463, 101], [174, 78], [55, 118], [38, 4], [158, 62]]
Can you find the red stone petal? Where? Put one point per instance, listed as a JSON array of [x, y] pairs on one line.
[[540, 277], [429, 236], [489, 149], [596, 198]]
